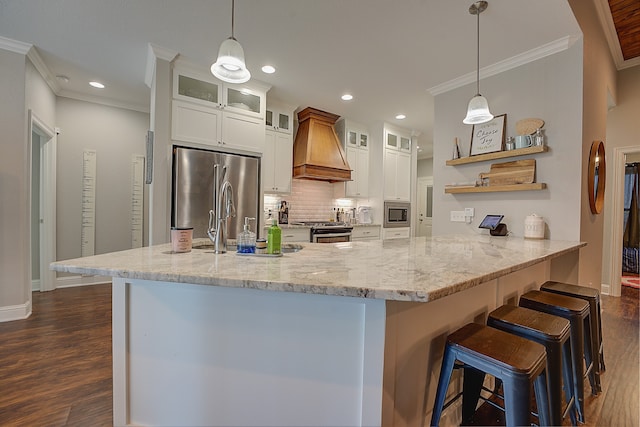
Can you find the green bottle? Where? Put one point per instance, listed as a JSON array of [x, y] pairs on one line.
[[274, 238]]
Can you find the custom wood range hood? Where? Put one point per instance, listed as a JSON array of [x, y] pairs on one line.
[[317, 152]]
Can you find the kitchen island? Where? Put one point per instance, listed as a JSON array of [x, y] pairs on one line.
[[335, 334]]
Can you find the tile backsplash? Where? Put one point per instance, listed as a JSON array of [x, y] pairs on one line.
[[309, 201]]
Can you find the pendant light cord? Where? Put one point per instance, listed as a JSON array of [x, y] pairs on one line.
[[478, 54], [233, 14]]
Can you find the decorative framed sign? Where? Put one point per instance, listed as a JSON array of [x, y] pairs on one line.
[[488, 137]]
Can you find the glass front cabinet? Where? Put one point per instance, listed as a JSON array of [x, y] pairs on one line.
[[194, 86]]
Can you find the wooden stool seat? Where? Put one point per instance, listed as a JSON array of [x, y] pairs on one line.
[[516, 361], [576, 311], [593, 297], [553, 333]]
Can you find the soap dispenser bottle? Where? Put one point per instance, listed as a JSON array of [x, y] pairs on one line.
[[274, 238], [246, 243]]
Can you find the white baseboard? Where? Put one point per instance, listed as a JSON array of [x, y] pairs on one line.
[[35, 285], [73, 281], [15, 312], [605, 289]]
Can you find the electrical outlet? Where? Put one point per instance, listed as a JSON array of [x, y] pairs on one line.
[[457, 216], [469, 212]]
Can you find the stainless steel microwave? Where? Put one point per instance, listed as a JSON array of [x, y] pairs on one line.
[[397, 214]]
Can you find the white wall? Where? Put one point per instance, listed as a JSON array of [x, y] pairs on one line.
[[14, 201], [116, 134], [425, 167], [549, 88], [599, 80]]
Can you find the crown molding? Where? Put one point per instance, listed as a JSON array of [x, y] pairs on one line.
[[42, 68], [507, 64], [155, 52], [14, 45], [31, 52], [104, 101]]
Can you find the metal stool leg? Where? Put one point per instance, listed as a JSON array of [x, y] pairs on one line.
[[471, 387], [443, 384], [569, 391]]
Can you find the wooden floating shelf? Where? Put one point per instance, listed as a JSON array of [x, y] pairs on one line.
[[498, 155], [496, 188]]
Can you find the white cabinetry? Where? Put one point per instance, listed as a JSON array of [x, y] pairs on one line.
[[396, 233], [365, 232], [397, 166], [193, 85], [277, 161], [209, 112], [290, 235], [279, 119], [355, 141], [213, 127]]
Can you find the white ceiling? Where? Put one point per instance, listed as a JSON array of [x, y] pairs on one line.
[[387, 53]]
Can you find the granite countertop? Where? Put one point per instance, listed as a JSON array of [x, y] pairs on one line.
[[417, 269], [294, 225]]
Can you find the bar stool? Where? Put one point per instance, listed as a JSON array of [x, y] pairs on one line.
[[576, 311], [593, 296], [516, 361], [553, 333]]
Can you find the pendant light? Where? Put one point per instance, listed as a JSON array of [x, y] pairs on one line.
[[230, 66], [478, 110]]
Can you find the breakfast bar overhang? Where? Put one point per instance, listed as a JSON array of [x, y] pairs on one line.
[[349, 334]]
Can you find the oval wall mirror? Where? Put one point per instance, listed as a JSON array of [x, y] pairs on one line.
[[596, 177]]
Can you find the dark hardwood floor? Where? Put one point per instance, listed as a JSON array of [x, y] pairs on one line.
[[55, 367]]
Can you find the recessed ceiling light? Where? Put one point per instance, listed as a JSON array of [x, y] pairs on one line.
[[401, 117], [268, 69], [97, 85], [347, 97]]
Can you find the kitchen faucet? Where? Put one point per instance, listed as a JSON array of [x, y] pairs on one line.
[[223, 209]]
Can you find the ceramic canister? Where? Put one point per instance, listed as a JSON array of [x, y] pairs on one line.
[[181, 239], [533, 227]]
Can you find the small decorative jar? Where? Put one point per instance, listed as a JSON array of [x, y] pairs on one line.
[[261, 246], [534, 227]]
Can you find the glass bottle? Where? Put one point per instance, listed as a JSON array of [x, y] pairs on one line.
[[538, 138], [246, 243], [274, 238]]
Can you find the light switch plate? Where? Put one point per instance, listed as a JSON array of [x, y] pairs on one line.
[[457, 216]]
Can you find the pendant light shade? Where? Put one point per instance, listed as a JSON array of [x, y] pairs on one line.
[[230, 66], [478, 109]]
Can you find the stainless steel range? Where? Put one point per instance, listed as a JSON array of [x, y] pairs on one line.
[[328, 232]]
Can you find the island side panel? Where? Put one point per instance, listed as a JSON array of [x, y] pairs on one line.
[[206, 355], [415, 338]]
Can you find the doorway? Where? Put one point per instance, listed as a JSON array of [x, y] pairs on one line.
[[42, 146], [425, 206], [617, 217]]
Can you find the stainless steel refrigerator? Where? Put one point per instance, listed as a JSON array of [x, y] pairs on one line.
[[192, 189]]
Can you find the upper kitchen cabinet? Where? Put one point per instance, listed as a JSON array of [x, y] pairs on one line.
[[216, 128], [209, 112], [355, 140], [279, 119], [195, 86], [397, 141], [277, 161], [397, 165]]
